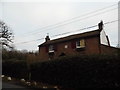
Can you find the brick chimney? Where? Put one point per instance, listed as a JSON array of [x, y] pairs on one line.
[[47, 38], [100, 25]]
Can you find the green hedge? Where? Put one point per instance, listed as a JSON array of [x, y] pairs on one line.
[[17, 69], [79, 71], [70, 72]]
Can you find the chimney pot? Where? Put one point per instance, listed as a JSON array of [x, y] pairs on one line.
[[47, 38], [100, 25]]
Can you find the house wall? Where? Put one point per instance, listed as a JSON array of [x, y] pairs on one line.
[[43, 54], [108, 50], [92, 46]]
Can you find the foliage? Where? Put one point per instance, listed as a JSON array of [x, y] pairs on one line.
[[13, 55], [16, 63], [69, 72], [16, 69], [19, 55], [6, 35], [79, 71]]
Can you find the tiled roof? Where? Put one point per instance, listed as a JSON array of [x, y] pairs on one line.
[[71, 37]]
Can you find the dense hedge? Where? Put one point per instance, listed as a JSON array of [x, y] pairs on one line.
[[72, 72], [79, 71], [17, 69]]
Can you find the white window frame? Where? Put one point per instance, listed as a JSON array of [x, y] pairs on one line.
[[51, 48], [78, 44]]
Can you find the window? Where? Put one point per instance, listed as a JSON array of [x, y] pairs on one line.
[[51, 48], [66, 46], [77, 44], [80, 43]]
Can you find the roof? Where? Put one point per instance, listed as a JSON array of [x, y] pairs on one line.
[[110, 46], [72, 37]]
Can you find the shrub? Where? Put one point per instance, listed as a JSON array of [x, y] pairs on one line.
[[16, 69], [79, 71]]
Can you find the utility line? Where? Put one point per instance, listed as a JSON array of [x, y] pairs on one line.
[[57, 24], [51, 29], [67, 32]]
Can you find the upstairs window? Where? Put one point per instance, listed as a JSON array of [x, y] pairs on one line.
[[77, 44], [51, 48], [80, 43]]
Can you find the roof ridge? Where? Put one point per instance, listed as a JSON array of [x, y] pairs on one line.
[[74, 36]]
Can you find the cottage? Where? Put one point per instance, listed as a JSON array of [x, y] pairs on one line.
[[83, 43]]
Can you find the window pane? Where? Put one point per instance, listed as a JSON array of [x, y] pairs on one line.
[[82, 43], [78, 43], [51, 48]]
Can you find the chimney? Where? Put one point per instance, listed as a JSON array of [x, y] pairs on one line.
[[100, 25], [47, 38]]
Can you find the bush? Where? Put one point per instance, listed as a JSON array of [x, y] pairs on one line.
[[17, 69], [79, 71]]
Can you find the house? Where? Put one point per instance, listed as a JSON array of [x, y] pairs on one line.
[[83, 43]]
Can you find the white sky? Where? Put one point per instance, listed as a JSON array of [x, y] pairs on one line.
[[27, 18]]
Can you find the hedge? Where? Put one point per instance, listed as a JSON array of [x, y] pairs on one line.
[[17, 69], [79, 71], [70, 72]]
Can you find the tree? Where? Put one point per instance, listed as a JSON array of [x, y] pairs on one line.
[[6, 35]]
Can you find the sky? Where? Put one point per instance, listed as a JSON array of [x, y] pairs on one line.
[[32, 20]]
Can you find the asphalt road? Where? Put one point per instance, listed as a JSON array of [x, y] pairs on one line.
[[12, 86]]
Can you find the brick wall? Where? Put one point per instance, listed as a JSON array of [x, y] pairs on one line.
[[91, 47], [108, 50]]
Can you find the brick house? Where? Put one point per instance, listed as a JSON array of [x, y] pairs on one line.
[[83, 43]]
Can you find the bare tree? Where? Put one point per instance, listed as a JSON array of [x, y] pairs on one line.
[[6, 35]]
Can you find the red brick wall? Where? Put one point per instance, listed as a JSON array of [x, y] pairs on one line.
[[91, 47], [108, 50], [43, 53]]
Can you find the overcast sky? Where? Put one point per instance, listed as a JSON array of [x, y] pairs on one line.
[[32, 20]]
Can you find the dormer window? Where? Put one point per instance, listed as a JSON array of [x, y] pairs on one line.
[[80, 43], [51, 48]]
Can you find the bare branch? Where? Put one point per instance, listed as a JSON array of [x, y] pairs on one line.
[[6, 35]]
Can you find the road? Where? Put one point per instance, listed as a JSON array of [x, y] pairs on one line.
[[12, 86]]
